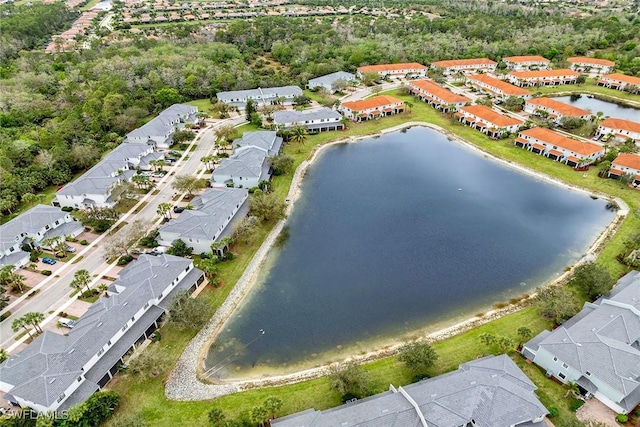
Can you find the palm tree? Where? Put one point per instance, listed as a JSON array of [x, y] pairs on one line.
[[50, 242], [409, 105], [345, 122], [161, 163], [258, 415], [208, 161], [81, 279], [20, 323], [16, 282], [164, 209], [299, 135], [34, 318]]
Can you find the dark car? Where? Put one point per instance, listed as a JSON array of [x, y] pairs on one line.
[[48, 260], [178, 209]]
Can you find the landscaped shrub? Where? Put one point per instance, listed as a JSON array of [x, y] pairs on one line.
[[622, 418], [90, 293], [5, 315], [84, 242], [46, 272], [66, 209], [124, 260], [553, 411], [575, 404], [205, 255], [33, 256], [70, 239]]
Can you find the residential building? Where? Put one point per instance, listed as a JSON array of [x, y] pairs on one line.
[[32, 227], [326, 82], [558, 147], [555, 109], [620, 129], [474, 65], [56, 372], [407, 69], [489, 392], [488, 121], [249, 163], [619, 81], [159, 130], [93, 188], [543, 77], [324, 119], [626, 164], [437, 96], [583, 64], [496, 87], [522, 63], [598, 349], [214, 214], [372, 108], [262, 96]]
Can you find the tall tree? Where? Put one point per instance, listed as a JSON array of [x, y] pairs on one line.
[[81, 279], [418, 356], [34, 318], [188, 183], [299, 136], [592, 279], [20, 322]]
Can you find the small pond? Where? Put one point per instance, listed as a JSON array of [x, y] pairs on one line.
[[396, 235], [608, 108]]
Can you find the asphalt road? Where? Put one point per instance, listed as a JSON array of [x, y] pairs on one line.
[[55, 296]]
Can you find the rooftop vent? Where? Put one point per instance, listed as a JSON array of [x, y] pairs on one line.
[[72, 350], [593, 329], [52, 381], [125, 303], [434, 394], [472, 383]]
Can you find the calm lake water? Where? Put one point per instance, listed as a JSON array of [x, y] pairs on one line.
[[396, 234], [608, 108]]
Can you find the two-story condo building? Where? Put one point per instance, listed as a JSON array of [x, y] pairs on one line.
[[524, 63], [159, 130], [437, 96], [327, 82], [324, 119], [619, 81], [556, 109], [558, 147], [488, 392], [372, 108], [249, 163], [32, 227], [56, 372], [93, 188], [262, 96], [543, 77], [488, 121], [496, 87], [474, 65], [620, 129], [213, 217], [406, 69], [598, 349], [592, 66], [626, 164]]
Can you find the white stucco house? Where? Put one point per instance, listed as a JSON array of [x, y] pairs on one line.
[[321, 120]]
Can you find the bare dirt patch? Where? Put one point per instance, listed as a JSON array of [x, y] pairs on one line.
[[594, 410]]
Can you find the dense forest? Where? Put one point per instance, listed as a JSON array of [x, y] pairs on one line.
[[59, 113], [28, 27]]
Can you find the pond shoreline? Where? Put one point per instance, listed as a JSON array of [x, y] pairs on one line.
[[185, 380]]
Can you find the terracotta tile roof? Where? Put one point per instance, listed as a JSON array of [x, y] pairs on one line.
[[488, 115], [481, 125], [504, 87], [454, 62], [623, 78], [532, 58], [521, 141], [554, 138], [573, 159], [391, 67], [555, 153], [544, 73], [538, 147], [376, 101], [614, 123], [615, 172], [560, 107], [627, 159], [440, 92], [586, 60]]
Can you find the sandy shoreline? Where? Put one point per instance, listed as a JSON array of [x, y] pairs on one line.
[[184, 382]]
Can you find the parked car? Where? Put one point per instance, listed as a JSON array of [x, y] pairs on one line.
[[158, 250], [178, 209], [157, 175], [49, 261], [67, 323], [70, 248]]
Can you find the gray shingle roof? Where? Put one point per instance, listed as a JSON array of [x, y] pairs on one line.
[[247, 162], [165, 122], [50, 364], [213, 209], [259, 93], [491, 391], [29, 222], [284, 117], [327, 80], [604, 339], [267, 140]]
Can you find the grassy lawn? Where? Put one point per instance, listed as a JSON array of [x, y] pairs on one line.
[[202, 104], [146, 395]]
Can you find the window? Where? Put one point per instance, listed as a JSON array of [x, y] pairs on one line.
[[146, 305], [109, 342], [565, 366], [555, 359], [124, 328], [133, 319], [588, 373], [100, 352], [61, 398], [561, 375]]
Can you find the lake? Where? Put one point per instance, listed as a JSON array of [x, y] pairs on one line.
[[397, 235], [608, 108]]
